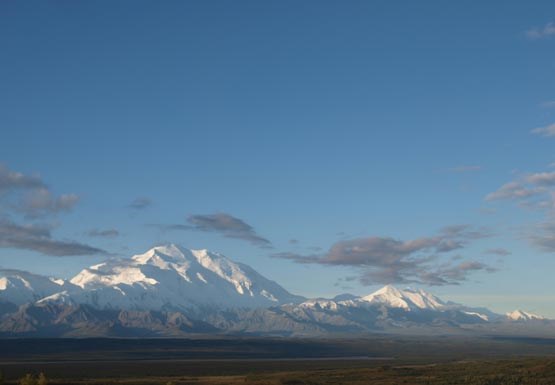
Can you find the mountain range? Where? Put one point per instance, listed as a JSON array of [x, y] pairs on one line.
[[174, 291]]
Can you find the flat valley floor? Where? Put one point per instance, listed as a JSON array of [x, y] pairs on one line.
[[371, 360]]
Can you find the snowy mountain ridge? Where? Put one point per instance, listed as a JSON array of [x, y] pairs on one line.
[[520, 315], [407, 299], [171, 277], [204, 290]]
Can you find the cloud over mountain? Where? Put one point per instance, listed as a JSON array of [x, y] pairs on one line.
[[39, 238], [389, 260], [30, 199], [103, 233], [41, 202], [221, 223], [30, 196]]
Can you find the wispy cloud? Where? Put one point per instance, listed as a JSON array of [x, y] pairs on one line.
[[534, 191], [38, 238], [140, 203], [465, 232], [546, 131], [103, 233], [542, 236], [514, 190], [545, 179], [30, 196], [548, 104], [221, 223], [454, 274], [465, 168], [12, 180], [498, 251], [40, 202], [548, 30], [388, 260]]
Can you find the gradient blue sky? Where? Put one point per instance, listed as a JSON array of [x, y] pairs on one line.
[[319, 121]]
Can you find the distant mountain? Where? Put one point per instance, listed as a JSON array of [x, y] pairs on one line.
[[173, 291], [519, 315], [405, 299]]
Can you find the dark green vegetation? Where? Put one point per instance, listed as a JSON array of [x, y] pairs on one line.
[[373, 360]]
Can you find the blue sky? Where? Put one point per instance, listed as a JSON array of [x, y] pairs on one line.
[[366, 126]]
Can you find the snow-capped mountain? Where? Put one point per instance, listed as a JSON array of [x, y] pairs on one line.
[[391, 303], [174, 291], [171, 277], [407, 299], [20, 287], [519, 315], [388, 296]]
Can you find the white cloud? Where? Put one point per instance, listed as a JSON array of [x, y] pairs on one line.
[[514, 190], [541, 32], [547, 131]]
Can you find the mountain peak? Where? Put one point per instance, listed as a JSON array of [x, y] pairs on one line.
[[170, 276], [408, 299], [520, 315], [389, 290], [168, 253], [221, 294]]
